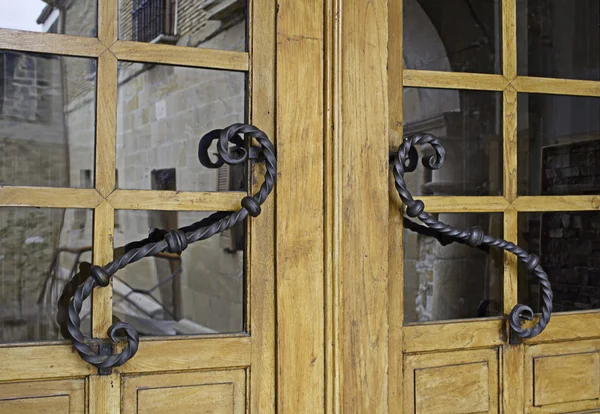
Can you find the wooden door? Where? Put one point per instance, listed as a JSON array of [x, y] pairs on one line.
[[102, 108], [511, 88]]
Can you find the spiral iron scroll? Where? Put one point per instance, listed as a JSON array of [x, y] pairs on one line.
[[174, 241], [406, 160]]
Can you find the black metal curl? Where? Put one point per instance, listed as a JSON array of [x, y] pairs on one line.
[[406, 161], [174, 241]]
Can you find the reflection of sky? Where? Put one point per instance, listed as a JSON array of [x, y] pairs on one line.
[[21, 14]]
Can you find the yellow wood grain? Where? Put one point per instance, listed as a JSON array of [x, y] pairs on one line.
[[556, 86], [453, 335], [176, 200], [261, 231], [50, 43], [364, 206], [510, 159], [557, 203], [179, 55], [190, 353], [570, 326], [41, 362], [453, 382], [104, 221], [299, 238], [453, 80], [464, 204], [105, 392], [106, 125], [509, 39], [198, 392], [50, 397], [49, 197], [108, 21]]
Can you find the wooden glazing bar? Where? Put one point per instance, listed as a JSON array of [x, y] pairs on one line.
[[510, 158], [176, 200], [463, 204], [509, 39], [453, 80], [106, 124], [108, 21], [557, 203], [104, 223], [49, 197], [60, 44], [179, 55], [556, 86], [448, 335]]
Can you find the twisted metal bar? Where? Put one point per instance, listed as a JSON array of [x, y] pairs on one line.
[[406, 160], [174, 241]]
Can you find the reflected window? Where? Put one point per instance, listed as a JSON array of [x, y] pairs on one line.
[[213, 24], [40, 253], [199, 292], [47, 120], [453, 281]]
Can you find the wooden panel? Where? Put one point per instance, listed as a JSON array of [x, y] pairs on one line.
[[299, 191], [453, 389], [557, 86], [198, 353], [179, 55], [563, 377], [557, 203], [452, 382], [47, 361], [176, 200], [50, 43], [364, 210], [458, 204], [198, 392], [261, 231], [566, 378], [66, 396], [454, 80], [453, 335], [49, 197]]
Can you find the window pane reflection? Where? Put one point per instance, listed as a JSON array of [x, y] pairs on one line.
[[162, 113], [213, 24], [559, 38], [77, 18], [40, 251], [568, 244], [453, 35], [199, 292], [559, 145], [47, 120], [453, 281], [469, 123]]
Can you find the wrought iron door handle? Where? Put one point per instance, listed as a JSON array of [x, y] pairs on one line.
[[173, 241], [406, 160]]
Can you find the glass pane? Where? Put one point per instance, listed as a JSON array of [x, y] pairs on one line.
[[47, 120], [568, 244], [559, 38], [453, 35], [163, 111], [77, 18], [453, 281], [199, 292], [559, 145], [213, 24], [469, 123], [40, 250]]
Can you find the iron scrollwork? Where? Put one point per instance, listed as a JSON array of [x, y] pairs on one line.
[[230, 150], [406, 160]]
